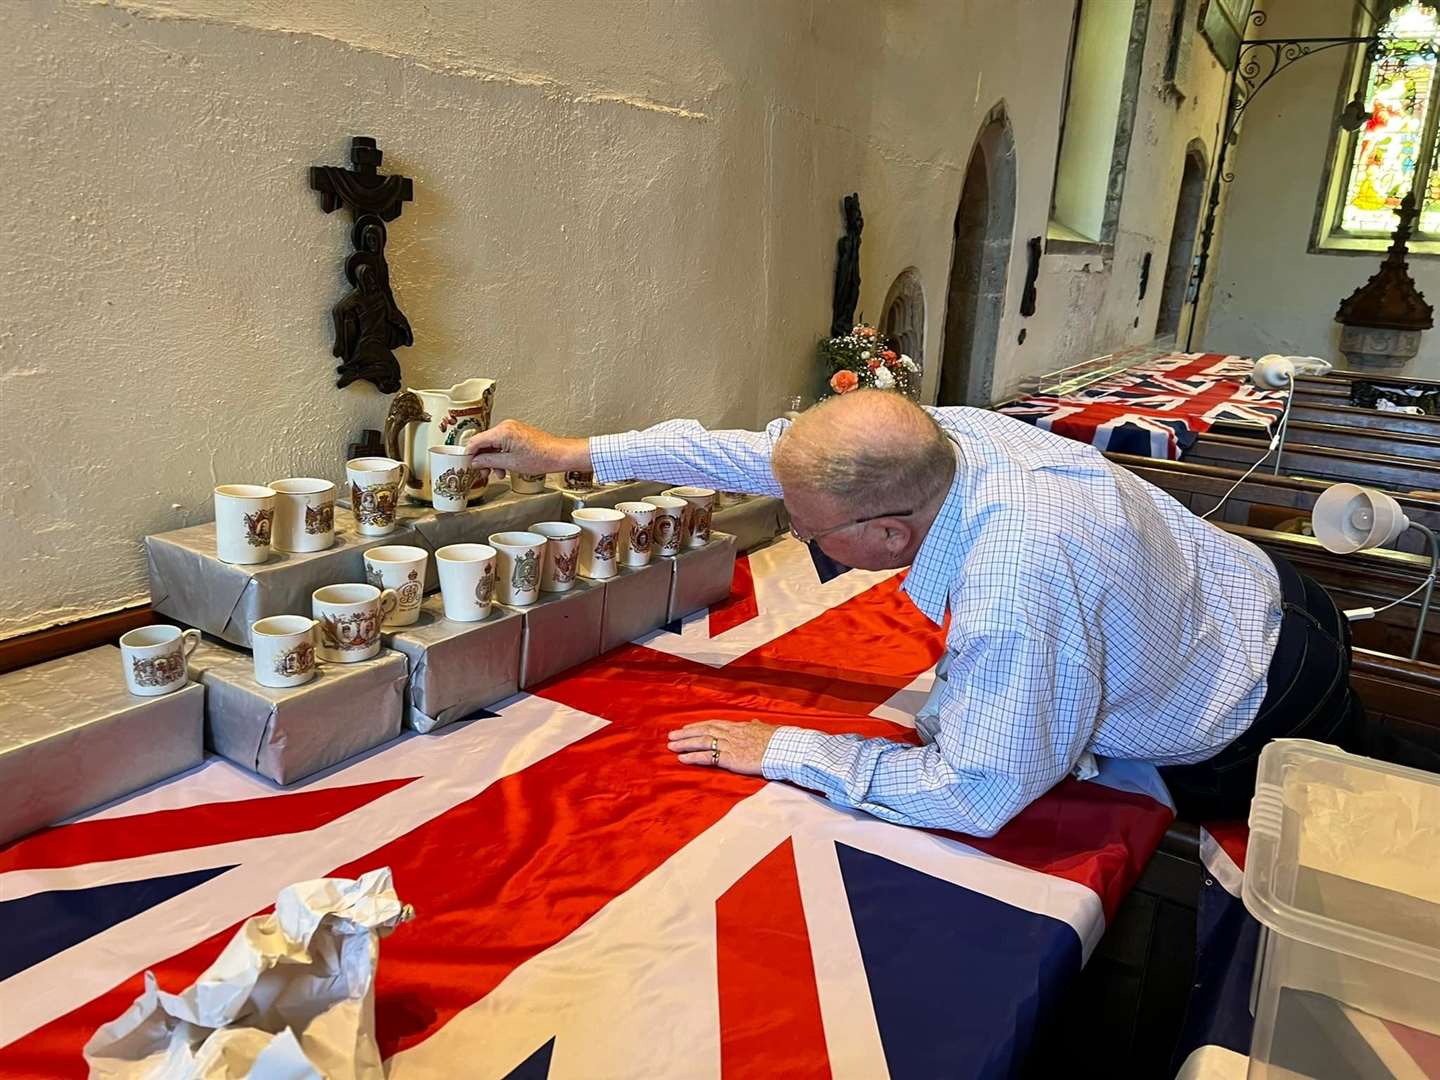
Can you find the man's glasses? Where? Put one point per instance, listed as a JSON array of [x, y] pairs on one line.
[[805, 539]]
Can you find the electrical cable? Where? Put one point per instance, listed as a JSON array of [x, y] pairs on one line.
[[1274, 445]]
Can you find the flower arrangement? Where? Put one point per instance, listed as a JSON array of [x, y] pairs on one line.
[[865, 358]]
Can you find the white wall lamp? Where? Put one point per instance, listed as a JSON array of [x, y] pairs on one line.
[[1349, 518]]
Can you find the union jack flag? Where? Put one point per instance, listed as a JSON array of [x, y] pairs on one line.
[[588, 907], [1158, 408]]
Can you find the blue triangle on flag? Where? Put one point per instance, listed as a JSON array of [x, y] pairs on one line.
[[958, 979], [536, 1066], [61, 918], [480, 714], [673, 626]]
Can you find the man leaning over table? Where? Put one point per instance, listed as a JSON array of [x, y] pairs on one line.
[[1090, 613]]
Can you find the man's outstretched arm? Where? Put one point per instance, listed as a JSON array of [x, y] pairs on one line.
[[673, 452]]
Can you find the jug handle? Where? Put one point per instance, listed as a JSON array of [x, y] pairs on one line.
[[405, 409]]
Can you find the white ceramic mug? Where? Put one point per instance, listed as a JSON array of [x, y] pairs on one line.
[[599, 540], [467, 580], [697, 520], [527, 483], [637, 533], [667, 534], [375, 484], [562, 555], [517, 566], [350, 617], [452, 475], [154, 658], [304, 514], [244, 518], [284, 647], [402, 568]]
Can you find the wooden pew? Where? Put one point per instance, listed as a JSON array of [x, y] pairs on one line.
[[1407, 445], [1262, 500], [1351, 416], [1388, 471], [1334, 388]]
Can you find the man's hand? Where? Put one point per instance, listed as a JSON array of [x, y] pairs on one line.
[[511, 446], [741, 744]]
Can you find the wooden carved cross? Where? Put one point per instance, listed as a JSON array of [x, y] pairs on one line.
[[368, 322]]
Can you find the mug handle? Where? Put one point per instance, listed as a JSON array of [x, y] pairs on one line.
[[190, 642], [388, 597], [406, 477]]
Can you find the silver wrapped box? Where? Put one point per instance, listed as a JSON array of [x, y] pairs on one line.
[[189, 584], [502, 511], [72, 737], [702, 575], [562, 630], [607, 495], [636, 602], [458, 667], [753, 520], [287, 734]]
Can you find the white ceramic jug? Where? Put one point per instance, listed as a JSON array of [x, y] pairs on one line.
[[420, 419]]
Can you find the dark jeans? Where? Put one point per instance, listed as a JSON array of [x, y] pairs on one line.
[[1307, 696]]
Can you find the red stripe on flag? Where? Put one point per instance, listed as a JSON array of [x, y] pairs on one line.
[[1233, 838], [114, 838], [740, 606], [770, 1022]]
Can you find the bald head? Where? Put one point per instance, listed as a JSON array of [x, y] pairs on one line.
[[869, 450]]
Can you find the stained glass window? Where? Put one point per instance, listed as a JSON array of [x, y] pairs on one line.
[[1387, 151]]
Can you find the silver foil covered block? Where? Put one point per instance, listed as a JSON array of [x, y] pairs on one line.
[[287, 734], [636, 602], [458, 667], [561, 630], [501, 511], [72, 737], [753, 520], [702, 575], [608, 495], [191, 585]]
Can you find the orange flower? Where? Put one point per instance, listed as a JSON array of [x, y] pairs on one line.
[[842, 382], [890, 356], [872, 363], [865, 331]]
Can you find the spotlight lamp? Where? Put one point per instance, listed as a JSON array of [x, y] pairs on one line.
[[1349, 518]]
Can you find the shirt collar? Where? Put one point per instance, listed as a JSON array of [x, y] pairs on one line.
[[941, 552]]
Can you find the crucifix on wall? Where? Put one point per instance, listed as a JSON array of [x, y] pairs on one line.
[[369, 324]]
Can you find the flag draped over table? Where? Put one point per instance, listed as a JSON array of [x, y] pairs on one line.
[[1158, 408], [588, 907]]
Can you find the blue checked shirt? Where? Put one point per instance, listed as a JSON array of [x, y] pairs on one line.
[[1089, 613]]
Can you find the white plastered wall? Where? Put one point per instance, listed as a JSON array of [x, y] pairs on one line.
[[623, 211]]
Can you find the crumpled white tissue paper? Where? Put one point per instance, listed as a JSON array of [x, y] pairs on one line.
[[291, 997]]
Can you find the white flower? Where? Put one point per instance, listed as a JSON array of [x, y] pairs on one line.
[[908, 364], [865, 355], [883, 379]]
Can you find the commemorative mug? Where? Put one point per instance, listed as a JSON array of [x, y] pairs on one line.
[[599, 540], [284, 647], [304, 514], [667, 534], [375, 484], [527, 483], [467, 580], [350, 617], [635, 534], [244, 520], [517, 566], [154, 658], [402, 568], [702, 503], [562, 555], [452, 475], [579, 480]]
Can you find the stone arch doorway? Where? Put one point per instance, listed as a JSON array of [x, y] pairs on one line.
[[1175, 305], [903, 321], [979, 265]]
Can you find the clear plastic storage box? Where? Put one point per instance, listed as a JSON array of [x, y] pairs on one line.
[[1343, 873]]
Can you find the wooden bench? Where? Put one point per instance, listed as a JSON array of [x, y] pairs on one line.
[[1407, 445], [1387, 471], [1351, 416]]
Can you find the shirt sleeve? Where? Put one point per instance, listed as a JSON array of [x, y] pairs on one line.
[[1013, 719], [683, 452]]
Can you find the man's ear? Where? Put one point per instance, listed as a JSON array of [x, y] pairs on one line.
[[897, 536]]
